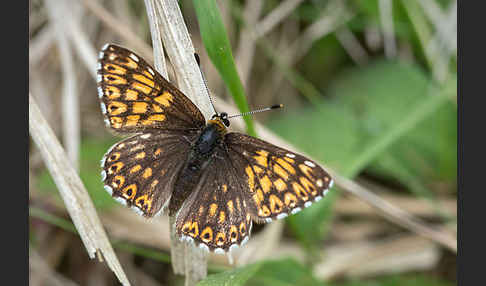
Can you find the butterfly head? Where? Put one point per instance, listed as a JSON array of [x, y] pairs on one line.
[[222, 119]]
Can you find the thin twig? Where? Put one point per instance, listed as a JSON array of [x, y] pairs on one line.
[[76, 199]]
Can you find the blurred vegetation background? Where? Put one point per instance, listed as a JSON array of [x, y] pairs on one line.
[[369, 89]]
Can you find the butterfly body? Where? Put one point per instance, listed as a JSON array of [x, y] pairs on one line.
[[215, 182], [200, 156]]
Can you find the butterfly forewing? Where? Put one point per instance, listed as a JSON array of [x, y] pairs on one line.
[[216, 215], [134, 96], [140, 171], [277, 182]]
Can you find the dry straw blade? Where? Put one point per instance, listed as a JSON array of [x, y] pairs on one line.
[[73, 192]]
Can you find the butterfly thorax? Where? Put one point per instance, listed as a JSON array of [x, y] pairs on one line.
[[210, 137]]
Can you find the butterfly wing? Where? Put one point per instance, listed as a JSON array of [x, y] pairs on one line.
[[140, 171], [277, 182], [216, 214], [134, 96]]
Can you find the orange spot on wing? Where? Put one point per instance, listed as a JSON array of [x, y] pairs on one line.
[[165, 99], [309, 187], [135, 168], [286, 165], [266, 184], [233, 233], [207, 234], [147, 74], [143, 79], [132, 120], [280, 185], [114, 79], [263, 211], [112, 92], [222, 217], [212, 210], [141, 87], [231, 208], [111, 68], [275, 204], [156, 117], [220, 238], [131, 94], [115, 168], [281, 172], [130, 191], [251, 178], [299, 191], [139, 107], [147, 173], [116, 122], [116, 107], [307, 171], [118, 181], [128, 62], [262, 158], [157, 108], [140, 155], [290, 200]]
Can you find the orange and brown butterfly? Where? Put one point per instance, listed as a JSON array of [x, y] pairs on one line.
[[215, 182]]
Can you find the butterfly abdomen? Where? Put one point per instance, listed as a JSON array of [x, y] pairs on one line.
[[203, 148]]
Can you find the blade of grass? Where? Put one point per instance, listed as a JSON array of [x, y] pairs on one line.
[[215, 39]]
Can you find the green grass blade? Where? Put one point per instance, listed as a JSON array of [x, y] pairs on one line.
[[216, 42]]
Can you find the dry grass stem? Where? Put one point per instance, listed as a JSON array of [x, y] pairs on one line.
[[121, 29], [41, 274], [76, 199], [70, 106], [168, 27], [41, 44], [155, 31], [277, 15], [386, 18], [335, 15], [352, 46], [80, 40], [247, 43], [403, 253]]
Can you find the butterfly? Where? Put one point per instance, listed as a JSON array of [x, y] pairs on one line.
[[216, 183]]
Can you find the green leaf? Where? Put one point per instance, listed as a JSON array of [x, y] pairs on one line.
[[371, 109], [215, 39], [235, 277], [284, 272]]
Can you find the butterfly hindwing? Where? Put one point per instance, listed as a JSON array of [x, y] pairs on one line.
[[277, 182], [141, 170], [134, 96], [216, 214]]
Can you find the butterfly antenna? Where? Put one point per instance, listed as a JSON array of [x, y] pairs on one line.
[[277, 106], [205, 82]]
